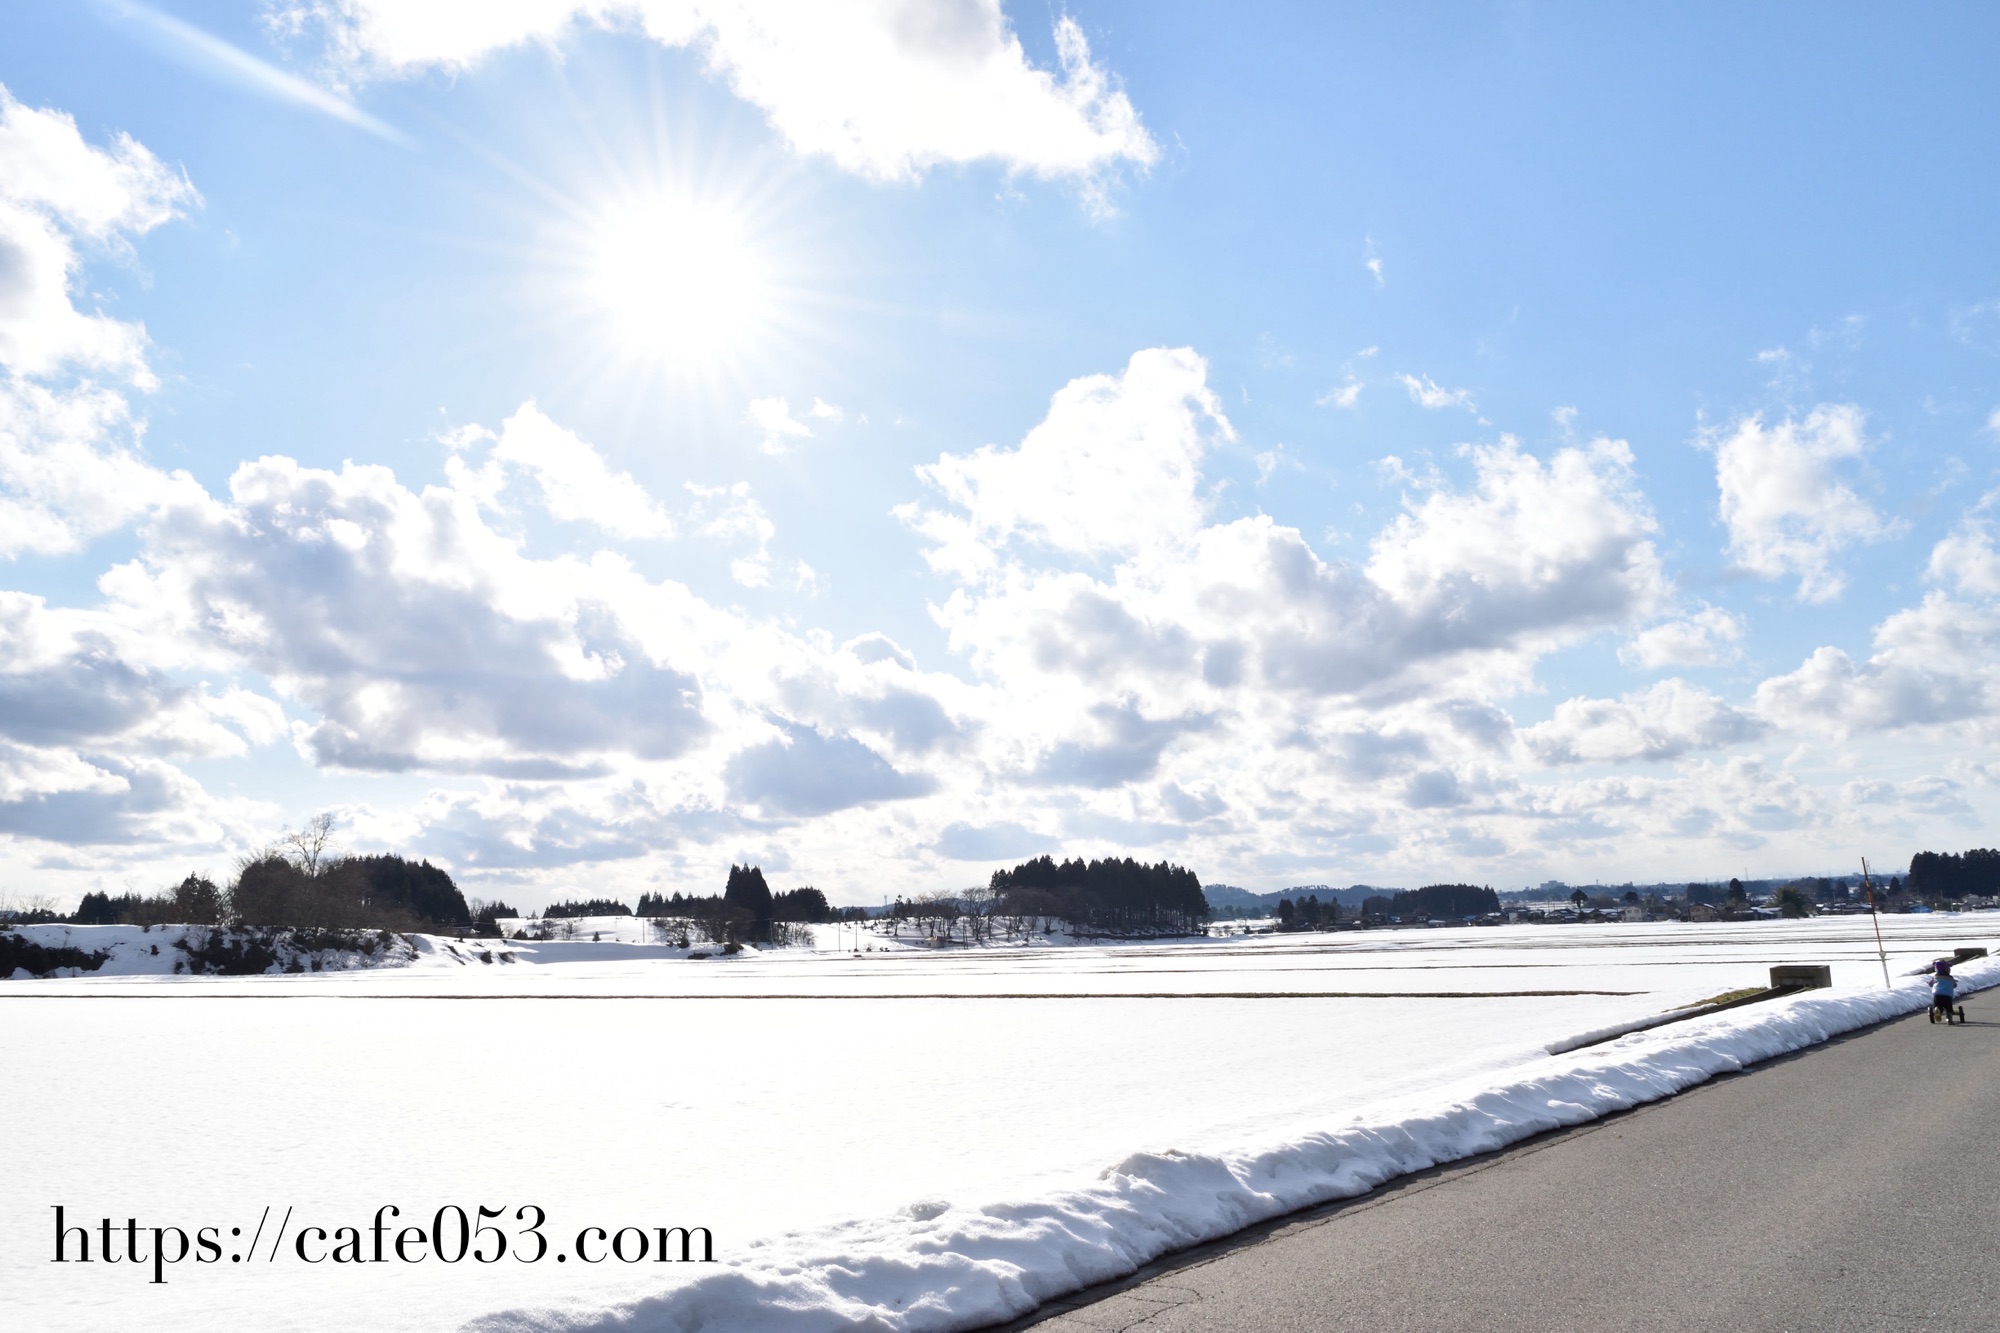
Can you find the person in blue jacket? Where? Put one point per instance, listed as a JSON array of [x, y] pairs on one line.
[[1944, 994]]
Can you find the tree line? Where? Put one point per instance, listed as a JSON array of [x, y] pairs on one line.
[[1112, 897], [302, 881], [745, 912], [365, 892], [1949, 876], [1439, 902]]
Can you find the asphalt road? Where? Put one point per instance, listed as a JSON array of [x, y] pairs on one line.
[[1852, 1186]]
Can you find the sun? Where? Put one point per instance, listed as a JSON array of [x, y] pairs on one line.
[[678, 283]]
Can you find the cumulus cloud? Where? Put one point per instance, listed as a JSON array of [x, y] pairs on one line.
[[992, 842], [1665, 721], [1787, 510], [56, 192], [70, 462], [1706, 638], [1134, 670], [1185, 616], [71, 467], [1114, 467], [1161, 669], [408, 634], [884, 88], [802, 774], [575, 482], [1933, 665], [1966, 558], [572, 480], [421, 637], [1128, 748], [79, 679], [62, 797]]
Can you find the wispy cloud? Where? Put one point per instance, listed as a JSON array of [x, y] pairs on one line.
[[209, 55], [1427, 392], [774, 417]]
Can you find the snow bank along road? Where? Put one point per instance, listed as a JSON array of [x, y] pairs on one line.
[[909, 1142], [1852, 1186]]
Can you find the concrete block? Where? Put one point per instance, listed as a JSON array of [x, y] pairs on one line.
[[1801, 976]]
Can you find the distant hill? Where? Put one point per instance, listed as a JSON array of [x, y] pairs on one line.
[[1227, 899]]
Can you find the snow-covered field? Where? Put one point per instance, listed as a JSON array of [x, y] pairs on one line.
[[925, 1139]]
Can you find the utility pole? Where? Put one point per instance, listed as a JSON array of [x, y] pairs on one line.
[[1868, 887]]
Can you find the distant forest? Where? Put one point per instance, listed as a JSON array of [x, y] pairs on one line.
[[1949, 876], [1107, 897], [1433, 902], [589, 907]]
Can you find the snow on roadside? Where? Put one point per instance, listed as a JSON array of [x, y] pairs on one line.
[[940, 1267]]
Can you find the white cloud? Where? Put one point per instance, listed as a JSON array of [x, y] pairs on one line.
[[70, 468], [1426, 392], [1934, 664], [1347, 395], [70, 465], [883, 88], [1210, 642], [1113, 468], [826, 411], [56, 189], [79, 678], [732, 514], [774, 417], [1966, 558], [1135, 675], [1664, 721], [1786, 509], [422, 638], [1706, 638], [572, 480], [1564, 541], [804, 773]]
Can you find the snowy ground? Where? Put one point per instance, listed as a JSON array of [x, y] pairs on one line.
[[943, 1122]]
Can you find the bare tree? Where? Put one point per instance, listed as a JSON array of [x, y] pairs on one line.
[[310, 847], [980, 905]]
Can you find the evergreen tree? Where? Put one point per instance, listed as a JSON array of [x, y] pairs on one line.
[[802, 904], [747, 893], [197, 901], [1116, 896]]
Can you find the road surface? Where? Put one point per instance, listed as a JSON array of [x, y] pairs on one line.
[[1855, 1185]]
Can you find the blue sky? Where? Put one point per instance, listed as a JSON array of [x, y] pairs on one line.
[[590, 444]]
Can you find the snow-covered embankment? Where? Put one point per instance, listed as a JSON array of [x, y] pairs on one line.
[[940, 1267]]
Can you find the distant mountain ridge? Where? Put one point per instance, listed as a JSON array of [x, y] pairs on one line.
[[1226, 897]]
